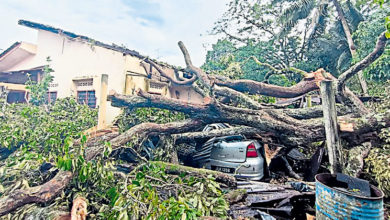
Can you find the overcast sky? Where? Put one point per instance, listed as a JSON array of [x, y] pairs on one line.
[[152, 27]]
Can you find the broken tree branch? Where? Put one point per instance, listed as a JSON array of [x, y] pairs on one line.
[[38, 194], [203, 135], [365, 62], [204, 79], [49, 190], [308, 84], [178, 169], [172, 79], [233, 95]]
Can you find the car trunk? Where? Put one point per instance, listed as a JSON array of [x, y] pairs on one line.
[[234, 151]]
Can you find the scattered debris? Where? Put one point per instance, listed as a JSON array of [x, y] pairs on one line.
[[278, 200]]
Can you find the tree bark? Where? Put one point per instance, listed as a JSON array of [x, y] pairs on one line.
[[277, 122], [172, 79], [308, 84], [204, 135], [38, 194], [178, 169], [79, 209]]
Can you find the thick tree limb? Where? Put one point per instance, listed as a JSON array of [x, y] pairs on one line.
[[343, 93], [144, 130], [204, 79], [143, 99], [370, 58], [38, 194], [308, 84], [217, 112], [191, 136], [172, 79], [313, 112], [243, 99], [286, 129]]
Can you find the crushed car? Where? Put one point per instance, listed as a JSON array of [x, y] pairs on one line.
[[235, 154]]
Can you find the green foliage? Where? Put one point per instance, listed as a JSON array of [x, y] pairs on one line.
[[378, 161], [130, 118], [383, 3], [150, 193], [236, 63], [269, 31], [39, 136], [365, 38], [381, 90], [33, 126], [38, 91]]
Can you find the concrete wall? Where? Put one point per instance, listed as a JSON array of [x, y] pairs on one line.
[[74, 59]]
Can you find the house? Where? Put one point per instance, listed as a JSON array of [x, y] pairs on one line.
[[84, 68]]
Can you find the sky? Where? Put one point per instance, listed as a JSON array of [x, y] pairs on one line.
[[151, 27]]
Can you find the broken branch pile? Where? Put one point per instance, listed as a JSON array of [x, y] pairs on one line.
[[156, 189]]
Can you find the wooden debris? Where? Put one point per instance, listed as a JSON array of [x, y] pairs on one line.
[[79, 209], [315, 163], [346, 127]]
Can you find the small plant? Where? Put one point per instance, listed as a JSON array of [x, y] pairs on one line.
[[38, 90]]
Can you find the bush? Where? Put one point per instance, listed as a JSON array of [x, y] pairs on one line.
[[33, 126]]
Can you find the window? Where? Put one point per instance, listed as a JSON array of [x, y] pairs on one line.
[[51, 97], [87, 98], [156, 87]]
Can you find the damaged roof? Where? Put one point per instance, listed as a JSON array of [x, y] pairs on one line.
[[9, 48], [71, 35]]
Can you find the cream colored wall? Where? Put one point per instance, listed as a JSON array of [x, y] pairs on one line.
[[73, 59]]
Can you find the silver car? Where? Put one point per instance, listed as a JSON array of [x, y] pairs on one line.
[[233, 154]]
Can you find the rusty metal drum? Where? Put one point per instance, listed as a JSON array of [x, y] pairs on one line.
[[332, 202]]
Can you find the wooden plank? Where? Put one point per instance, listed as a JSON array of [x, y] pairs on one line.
[[330, 121], [13, 86]]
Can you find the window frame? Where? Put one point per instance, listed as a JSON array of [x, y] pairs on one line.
[[49, 96], [86, 101]]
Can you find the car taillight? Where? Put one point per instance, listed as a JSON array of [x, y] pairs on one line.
[[251, 150]]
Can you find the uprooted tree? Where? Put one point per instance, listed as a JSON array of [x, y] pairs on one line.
[[289, 127]]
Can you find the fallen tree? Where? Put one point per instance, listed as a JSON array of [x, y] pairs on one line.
[[290, 127]]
